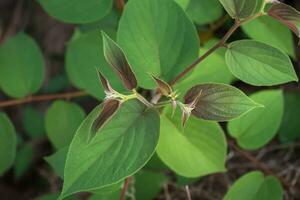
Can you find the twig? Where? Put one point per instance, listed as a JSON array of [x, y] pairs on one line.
[[120, 4], [221, 43], [47, 97], [189, 197], [124, 189]]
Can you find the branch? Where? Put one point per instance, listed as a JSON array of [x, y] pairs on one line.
[[47, 97], [221, 43], [124, 189]]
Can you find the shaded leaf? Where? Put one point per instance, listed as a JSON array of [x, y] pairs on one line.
[[256, 128], [259, 64], [57, 161], [287, 15], [23, 160], [33, 122], [118, 150], [116, 58], [219, 102]]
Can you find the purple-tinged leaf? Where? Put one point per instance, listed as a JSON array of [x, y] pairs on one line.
[[287, 15], [218, 102], [110, 107], [105, 83], [118, 61], [164, 88]]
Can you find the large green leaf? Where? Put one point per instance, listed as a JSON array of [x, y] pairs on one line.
[[212, 69], [8, 143], [290, 129], [241, 9], [218, 102], [256, 128], [61, 121], [119, 149], [203, 11], [84, 54], [259, 64], [254, 186], [263, 29], [196, 150], [21, 66], [77, 11], [158, 38]]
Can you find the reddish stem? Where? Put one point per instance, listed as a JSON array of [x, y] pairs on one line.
[[125, 188]]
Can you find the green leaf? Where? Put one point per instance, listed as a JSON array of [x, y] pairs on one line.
[[148, 184], [57, 161], [256, 128], [119, 149], [23, 160], [289, 130], [262, 30], [54, 197], [259, 64], [8, 143], [115, 56], [197, 150], [158, 38], [21, 66], [241, 9], [203, 11], [287, 15], [61, 121], [75, 11], [113, 196], [219, 102], [183, 3], [84, 53], [212, 69], [254, 186], [33, 122]]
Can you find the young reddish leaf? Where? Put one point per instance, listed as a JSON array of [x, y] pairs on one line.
[[218, 102], [118, 61], [188, 108], [105, 83], [110, 107], [287, 15], [163, 87]]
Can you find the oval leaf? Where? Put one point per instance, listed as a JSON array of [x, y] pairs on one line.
[[8, 143], [197, 150], [119, 149], [115, 56], [287, 15], [254, 186], [21, 66], [61, 121], [154, 42], [259, 64], [219, 102], [74, 11], [241, 9], [256, 128]]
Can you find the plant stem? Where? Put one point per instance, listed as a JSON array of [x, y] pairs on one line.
[[46, 97], [221, 43], [124, 189]]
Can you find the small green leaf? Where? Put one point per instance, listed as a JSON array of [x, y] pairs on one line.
[[204, 11], [84, 53], [197, 150], [74, 11], [259, 64], [8, 143], [219, 102], [256, 128], [115, 56], [287, 15], [23, 160], [254, 186], [21, 66], [119, 149], [148, 184], [262, 30], [33, 122], [157, 38], [290, 129], [57, 161], [61, 121], [241, 9]]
